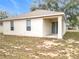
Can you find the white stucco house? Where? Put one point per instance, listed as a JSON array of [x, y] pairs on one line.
[[39, 23]]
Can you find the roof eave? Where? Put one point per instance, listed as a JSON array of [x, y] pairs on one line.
[[23, 18]]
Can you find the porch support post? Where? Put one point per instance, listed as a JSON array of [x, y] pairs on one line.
[[60, 31]]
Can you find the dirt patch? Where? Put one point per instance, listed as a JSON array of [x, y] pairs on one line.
[[13, 47]]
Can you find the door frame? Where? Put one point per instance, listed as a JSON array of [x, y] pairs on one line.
[[54, 28]]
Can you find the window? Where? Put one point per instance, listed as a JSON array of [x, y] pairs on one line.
[[28, 25], [12, 25]]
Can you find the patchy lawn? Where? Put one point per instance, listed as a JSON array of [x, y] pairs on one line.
[[72, 35], [13, 47]]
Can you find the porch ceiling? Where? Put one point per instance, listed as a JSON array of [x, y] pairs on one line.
[[50, 17]]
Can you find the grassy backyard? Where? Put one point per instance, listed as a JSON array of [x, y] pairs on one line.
[[13, 47]]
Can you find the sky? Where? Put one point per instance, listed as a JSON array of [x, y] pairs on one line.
[[16, 7]]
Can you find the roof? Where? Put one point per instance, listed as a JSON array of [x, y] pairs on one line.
[[36, 14]]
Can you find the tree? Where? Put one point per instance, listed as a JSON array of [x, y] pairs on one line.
[[38, 4], [71, 11], [3, 14], [69, 7]]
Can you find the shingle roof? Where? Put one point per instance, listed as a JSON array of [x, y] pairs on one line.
[[35, 14]]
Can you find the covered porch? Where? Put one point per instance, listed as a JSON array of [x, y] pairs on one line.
[[53, 27]]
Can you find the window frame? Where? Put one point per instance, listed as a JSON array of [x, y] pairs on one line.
[[28, 25], [12, 25]]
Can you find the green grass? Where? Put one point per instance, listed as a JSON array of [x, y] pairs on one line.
[[72, 35], [14, 47]]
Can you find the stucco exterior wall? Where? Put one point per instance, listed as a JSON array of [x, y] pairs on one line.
[[61, 27], [37, 28], [64, 26], [46, 27], [20, 28]]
